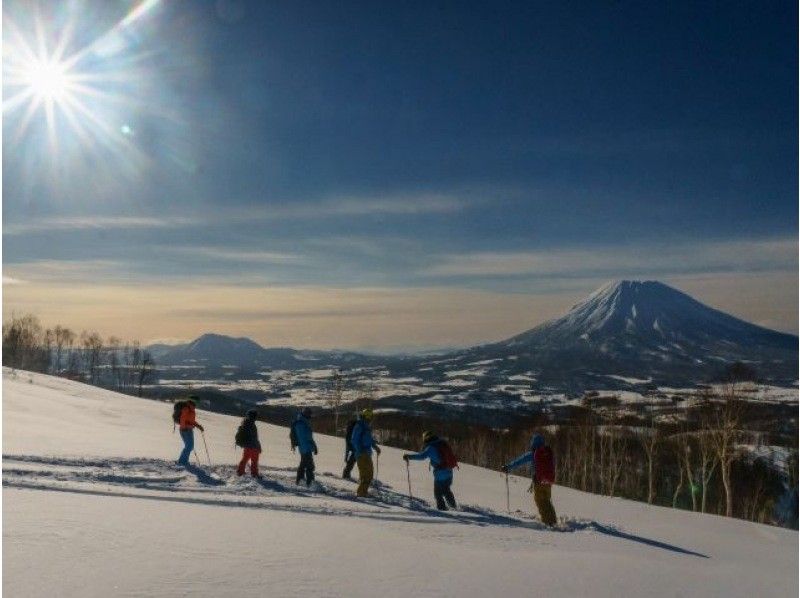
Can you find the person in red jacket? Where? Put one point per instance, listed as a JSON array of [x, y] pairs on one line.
[[544, 476], [187, 426]]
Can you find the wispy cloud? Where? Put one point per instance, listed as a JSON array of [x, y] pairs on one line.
[[83, 223], [232, 255], [655, 259], [12, 280], [353, 207]]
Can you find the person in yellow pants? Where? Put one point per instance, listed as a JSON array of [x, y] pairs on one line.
[[365, 473], [544, 476], [363, 444], [541, 496]]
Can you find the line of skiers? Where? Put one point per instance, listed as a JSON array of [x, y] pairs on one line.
[[359, 445]]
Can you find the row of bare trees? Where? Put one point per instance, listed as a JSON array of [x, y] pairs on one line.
[[699, 458], [113, 363]]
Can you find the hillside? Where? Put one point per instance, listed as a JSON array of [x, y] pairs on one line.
[[92, 498]]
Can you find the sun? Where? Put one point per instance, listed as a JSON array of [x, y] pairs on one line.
[[47, 80]]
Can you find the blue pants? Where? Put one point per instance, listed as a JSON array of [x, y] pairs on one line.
[[443, 494], [188, 446]]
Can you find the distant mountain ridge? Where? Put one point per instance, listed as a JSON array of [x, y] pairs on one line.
[[636, 329]]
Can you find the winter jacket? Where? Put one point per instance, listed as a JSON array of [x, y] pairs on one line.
[[187, 421], [305, 437], [362, 439], [250, 439], [431, 451], [542, 460]]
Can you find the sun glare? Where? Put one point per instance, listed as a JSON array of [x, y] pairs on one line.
[[47, 80]]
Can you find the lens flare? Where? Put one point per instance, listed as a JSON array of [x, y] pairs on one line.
[[71, 102], [47, 80]]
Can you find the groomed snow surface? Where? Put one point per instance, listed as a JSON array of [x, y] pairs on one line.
[[93, 505]]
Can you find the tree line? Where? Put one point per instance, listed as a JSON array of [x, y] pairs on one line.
[[87, 357], [698, 457]]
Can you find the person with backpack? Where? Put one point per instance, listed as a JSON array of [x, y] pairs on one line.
[[302, 438], [443, 461], [363, 444], [543, 475], [247, 438], [349, 453], [186, 424]]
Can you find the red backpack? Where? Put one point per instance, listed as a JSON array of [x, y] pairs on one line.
[[545, 468], [447, 458]]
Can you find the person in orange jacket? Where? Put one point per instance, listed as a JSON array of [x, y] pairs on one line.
[[187, 426]]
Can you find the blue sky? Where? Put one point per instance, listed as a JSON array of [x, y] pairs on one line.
[[401, 174]]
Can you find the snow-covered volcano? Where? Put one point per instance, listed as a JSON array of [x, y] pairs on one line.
[[647, 330], [654, 313]]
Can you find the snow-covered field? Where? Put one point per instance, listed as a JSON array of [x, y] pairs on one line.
[[93, 506]]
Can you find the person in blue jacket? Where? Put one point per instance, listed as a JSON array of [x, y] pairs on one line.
[[363, 443], [543, 476], [302, 438], [442, 476]]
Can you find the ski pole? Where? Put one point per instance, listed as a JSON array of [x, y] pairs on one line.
[[377, 467], [203, 434], [408, 474], [508, 496]]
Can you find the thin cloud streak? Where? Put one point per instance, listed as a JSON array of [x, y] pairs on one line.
[[773, 254], [396, 205]]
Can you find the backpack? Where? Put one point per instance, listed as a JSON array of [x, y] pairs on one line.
[[176, 411], [447, 458], [544, 466], [293, 436], [348, 435], [241, 436]]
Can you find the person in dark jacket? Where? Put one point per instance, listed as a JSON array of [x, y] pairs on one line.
[[349, 453], [247, 438], [303, 438], [442, 476]]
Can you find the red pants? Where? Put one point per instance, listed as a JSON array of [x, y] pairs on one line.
[[250, 454]]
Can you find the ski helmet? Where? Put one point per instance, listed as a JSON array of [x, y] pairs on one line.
[[366, 413], [252, 414], [306, 412], [427, 436]]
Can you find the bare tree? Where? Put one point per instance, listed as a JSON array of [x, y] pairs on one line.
[[112, 347], [92, 350], [649, 438], [47, 345], [146, 369], [336, 397], [723, 420], [63, 339], [23, 346]]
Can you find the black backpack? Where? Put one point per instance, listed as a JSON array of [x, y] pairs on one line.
[[176, 411], [348, 435], [293, 436], [241, 436]]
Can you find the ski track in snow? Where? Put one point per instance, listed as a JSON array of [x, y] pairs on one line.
[[158, 479]]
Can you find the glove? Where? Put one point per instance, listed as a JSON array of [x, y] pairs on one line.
[[378, 450], [405, 458], [504, 468], [316, 452], [199, 426]]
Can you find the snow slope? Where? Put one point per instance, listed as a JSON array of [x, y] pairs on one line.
[[93, 506]]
